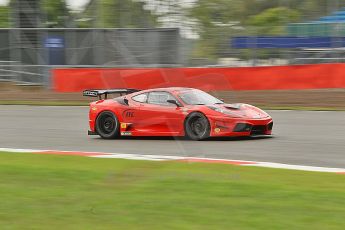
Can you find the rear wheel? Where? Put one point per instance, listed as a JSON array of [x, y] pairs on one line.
[[107, 125], [197, 126]]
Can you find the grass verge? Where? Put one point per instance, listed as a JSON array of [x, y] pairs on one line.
[[54, 192], [302, 108]]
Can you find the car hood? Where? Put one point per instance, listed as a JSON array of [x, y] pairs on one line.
[[241, 110]]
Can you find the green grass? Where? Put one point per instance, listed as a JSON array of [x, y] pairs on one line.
[[69, 192], [302, 108]]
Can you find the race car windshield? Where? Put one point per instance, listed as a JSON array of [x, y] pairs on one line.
[[197, 97]]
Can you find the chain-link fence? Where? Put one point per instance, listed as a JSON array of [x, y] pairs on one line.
[[255, 46], [27, 54], [206, 33]]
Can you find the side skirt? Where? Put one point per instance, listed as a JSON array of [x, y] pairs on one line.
[[90, 133]]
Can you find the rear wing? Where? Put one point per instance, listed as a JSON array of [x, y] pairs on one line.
[[99, 92]]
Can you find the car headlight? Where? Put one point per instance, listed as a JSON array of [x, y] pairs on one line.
[[224, 111], [258, 110]]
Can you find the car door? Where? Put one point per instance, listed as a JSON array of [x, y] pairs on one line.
[[161, 117], [132, 114]]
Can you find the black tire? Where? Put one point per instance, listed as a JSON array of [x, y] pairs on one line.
[[107, 125], [197, 126]]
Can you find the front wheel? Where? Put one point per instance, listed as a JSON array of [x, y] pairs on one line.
[[197, 126], [107, 125]]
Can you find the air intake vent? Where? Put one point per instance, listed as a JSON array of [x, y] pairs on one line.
[[258, 130]]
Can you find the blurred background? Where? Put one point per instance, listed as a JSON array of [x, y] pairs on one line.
[[37, 35]]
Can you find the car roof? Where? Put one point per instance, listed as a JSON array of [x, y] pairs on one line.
[[168, 89]]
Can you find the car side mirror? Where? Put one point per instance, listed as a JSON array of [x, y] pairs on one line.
[[174, 102]]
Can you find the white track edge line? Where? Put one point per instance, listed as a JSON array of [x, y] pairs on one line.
[[152, 157]]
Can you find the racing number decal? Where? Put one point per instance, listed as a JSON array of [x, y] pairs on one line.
[[128, 116]]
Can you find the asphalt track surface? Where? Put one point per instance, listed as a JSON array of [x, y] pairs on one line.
[[300, 137]]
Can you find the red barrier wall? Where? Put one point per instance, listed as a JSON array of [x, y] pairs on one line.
[[244, 78]]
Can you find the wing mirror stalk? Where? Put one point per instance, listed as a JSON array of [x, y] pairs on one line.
[[174, 102]]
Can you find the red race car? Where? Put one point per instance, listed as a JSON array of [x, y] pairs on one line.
[[172, 112]]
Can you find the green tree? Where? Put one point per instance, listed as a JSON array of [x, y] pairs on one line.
[[273, 21], [55, 13], [219, 20], [4, 15], [116, 14]]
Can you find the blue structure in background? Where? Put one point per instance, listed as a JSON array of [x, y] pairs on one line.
[[325, 32], [55, 46], [336, 17], [287, 42]]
